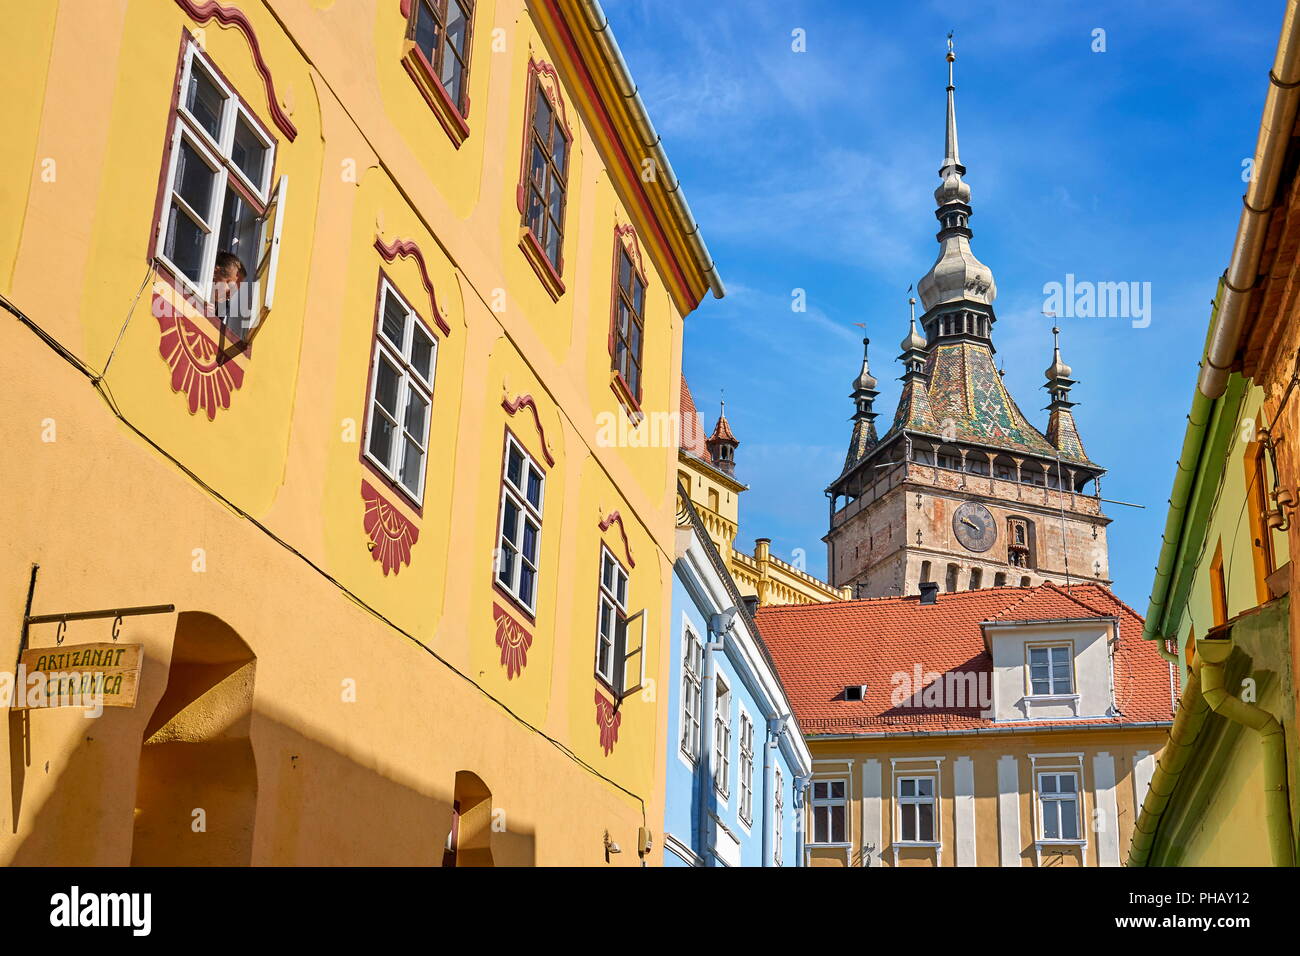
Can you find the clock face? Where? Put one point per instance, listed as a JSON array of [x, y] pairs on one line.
[[974, 526]]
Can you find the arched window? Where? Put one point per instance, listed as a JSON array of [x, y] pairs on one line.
[[1004, 467], [951, 583], [1031, 473], [925, 571], [1000, 579], [1024, 582], [976, 579], [977, 463], [949, 457]]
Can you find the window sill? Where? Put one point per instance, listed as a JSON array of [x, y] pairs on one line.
[[1052, 698], [921, 843], [515, 603], [536, 257], [435, 94], [631, 405]]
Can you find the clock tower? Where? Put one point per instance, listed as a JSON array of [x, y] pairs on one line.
[[962, 489]]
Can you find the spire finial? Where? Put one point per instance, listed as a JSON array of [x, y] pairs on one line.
[[1058, 371], [951, 157]]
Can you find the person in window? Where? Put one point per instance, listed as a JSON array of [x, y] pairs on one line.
[[228, 292]]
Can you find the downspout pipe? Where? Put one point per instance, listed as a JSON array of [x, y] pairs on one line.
[[599, 25], [1192, 713], [1257, 206], [1213, 653], [774, 730], [719, 625]]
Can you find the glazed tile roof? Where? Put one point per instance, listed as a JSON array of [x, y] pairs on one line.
[[861, 442], [966, 389], [822, 648], [722, 430], [1064, 434]]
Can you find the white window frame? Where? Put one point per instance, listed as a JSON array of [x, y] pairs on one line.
[[1052, 688], [829, 802], [1055, 801], [609, 597], [746, 807], [913, 803], [398, 356], [216, 153], [527, 512], [722, 736], [692, 691], [778, 818]]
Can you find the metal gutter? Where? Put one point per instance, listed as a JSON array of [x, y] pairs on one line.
[[1257, 206], [600, 28], [990, 731]]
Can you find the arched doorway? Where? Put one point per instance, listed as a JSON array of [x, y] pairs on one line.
[[196, 793], [470, 841]]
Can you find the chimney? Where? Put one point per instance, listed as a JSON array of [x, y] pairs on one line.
[[751, 604], [929, 591]]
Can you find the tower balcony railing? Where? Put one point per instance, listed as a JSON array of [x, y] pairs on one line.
[[893, 474]]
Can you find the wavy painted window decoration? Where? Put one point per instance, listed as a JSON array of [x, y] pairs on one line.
[[392, 534], [608, 719], [198, 367], [514, 641]]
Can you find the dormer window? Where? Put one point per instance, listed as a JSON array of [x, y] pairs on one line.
[[1051, 670]]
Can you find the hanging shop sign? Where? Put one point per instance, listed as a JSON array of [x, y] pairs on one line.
[[78, 675]]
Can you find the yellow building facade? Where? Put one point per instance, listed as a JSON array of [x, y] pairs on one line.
[[375, 493]]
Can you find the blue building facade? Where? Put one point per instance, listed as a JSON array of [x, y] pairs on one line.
[[737, 763]]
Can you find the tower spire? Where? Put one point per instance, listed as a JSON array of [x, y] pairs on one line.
[[958, 291], [951, 157], [1061, 428]]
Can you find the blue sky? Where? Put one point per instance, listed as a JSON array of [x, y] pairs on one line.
[[815, 171]]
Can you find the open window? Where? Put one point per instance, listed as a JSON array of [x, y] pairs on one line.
[[221, 219], [620, 637]]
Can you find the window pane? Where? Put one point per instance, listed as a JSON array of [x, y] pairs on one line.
[[510, 521], [559, 149], [238, 232], [526, 578], [204, 100], [925, 827], [621, 593], [1048, 784], [837, 789], [908, 814], [514, 467], [529, 547], [381, 437], [1051, 821], [1067, 783], [821, 817], [457, 26], [556, 204], [607, 573], [837, 824], [907, 788], [422, 353], [534, 488], [393, 324], [819, 791], [412, 461], [185, 243], [417, 410], [249, 153], [1069, 820], [542, 117], [386, 385], [506, 564], [925, 787], [453, 74], [624, 270], [552, 246], [194, 180], [1060, 655], [638, 296], [1040, 686], [1038, 656], [426, 31]]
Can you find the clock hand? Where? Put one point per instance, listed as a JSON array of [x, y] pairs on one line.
[[967, 521]]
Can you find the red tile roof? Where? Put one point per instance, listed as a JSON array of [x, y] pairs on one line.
[[692, 435], [822, 648], [722, 430]]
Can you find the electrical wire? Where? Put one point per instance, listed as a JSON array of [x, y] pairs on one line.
[[101, 386]]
